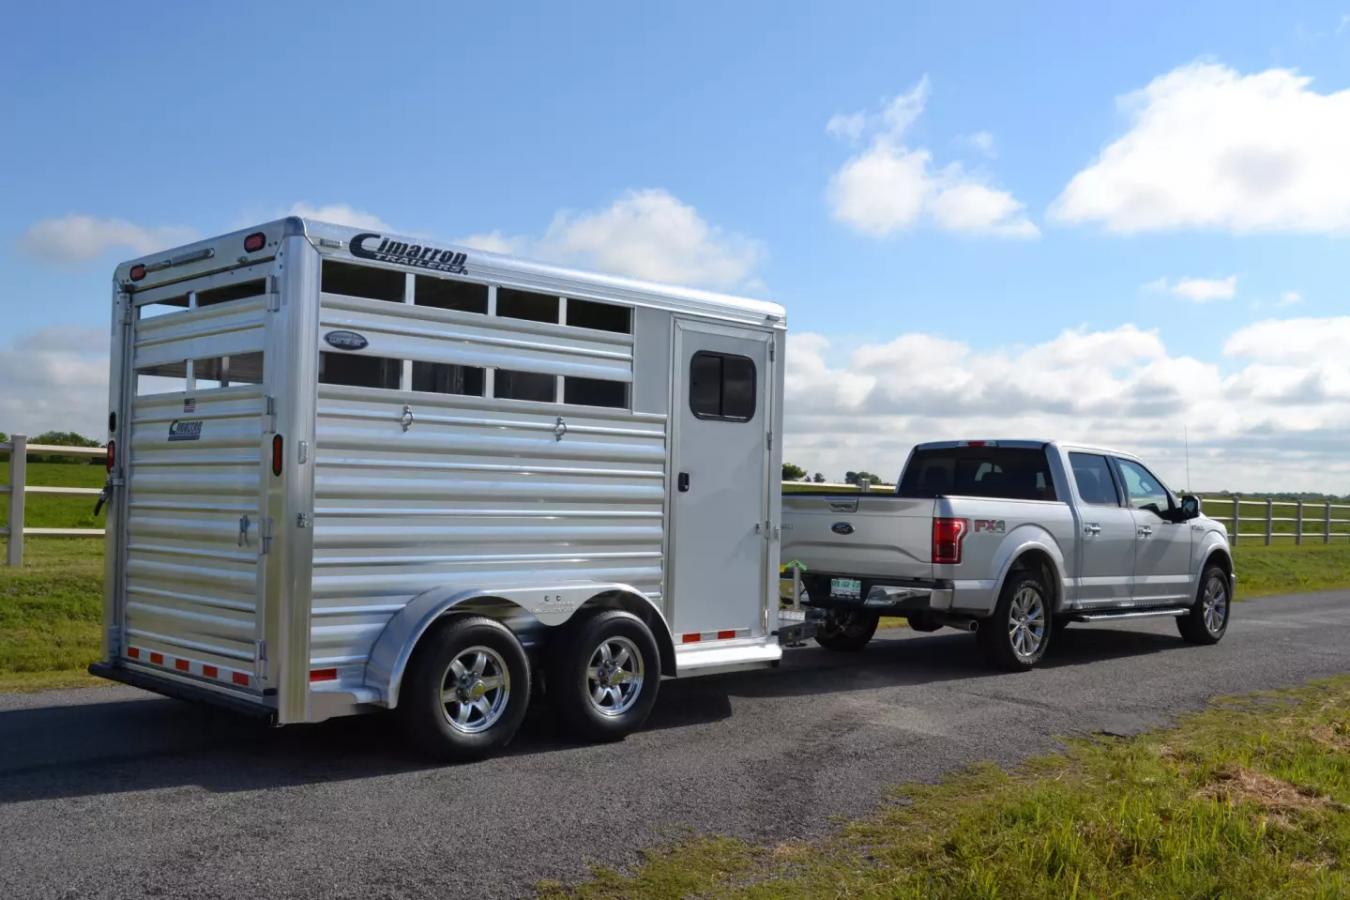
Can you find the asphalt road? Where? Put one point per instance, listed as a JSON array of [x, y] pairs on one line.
[[118, 793]]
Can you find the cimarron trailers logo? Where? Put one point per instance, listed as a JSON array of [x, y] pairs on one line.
[[392, 251]]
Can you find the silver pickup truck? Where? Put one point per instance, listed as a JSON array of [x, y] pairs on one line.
[[1012, 540]]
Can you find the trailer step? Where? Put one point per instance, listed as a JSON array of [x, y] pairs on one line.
[[1108, 615]]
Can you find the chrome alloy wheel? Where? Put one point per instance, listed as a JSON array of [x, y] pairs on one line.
[[1214, 605], [1026, 621], [474, 689], [614, 676]]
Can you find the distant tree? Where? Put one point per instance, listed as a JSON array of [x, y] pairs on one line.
[[861, 478], [63, 439], [4, 438], [793, 472], [818, 478]]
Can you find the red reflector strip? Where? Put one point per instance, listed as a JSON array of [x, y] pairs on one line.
[[181, 665], [693, 638], [725, 635], [239, 678], [210, 671], [323, 674], [157, 658], [133, 653]]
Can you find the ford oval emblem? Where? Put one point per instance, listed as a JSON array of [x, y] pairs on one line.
[[841, 528], [346, 340]]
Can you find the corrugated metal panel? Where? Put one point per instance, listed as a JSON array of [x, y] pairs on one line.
[[191, 585], [477, 491], [222, 330]]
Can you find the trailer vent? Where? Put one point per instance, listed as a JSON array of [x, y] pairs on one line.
[[446, 293], [362, 281]]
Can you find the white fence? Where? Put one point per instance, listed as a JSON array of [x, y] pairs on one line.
[[18, 488], [1298, 521]]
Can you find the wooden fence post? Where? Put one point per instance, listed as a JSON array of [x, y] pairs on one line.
[[1270, 519], [1237, 520], [1298, 522], [18, 477]]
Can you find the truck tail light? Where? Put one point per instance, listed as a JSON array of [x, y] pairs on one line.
[[111, 459], [947, 537]]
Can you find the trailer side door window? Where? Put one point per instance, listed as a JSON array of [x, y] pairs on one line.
[[722, 386]]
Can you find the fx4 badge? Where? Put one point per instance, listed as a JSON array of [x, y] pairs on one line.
[[992, 526]]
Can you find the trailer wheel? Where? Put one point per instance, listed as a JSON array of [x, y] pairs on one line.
[[846, 630], [1016, 636], [466, 689], [1208, 619], [604, 672]]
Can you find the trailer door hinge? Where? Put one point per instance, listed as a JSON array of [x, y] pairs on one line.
[[270, 426], [772, 351], [273, 295], [266, 532], [770, 440]]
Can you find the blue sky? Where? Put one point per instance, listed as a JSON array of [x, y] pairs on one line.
[[536, 128]]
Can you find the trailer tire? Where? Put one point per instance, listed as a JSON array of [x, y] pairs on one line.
[[846, 631], [1207, 621], [603, 676], [466, 689], [1017, 635]]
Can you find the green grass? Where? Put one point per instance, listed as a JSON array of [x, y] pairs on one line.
[[55, 510], [1289, 569], [51, 614], [1250, 798]]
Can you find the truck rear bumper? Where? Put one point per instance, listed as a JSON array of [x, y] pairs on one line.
[[895, 601], [184, 690]]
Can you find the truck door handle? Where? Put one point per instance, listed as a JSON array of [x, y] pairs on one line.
[[1145, 531], [682, 483], [1092, 529]]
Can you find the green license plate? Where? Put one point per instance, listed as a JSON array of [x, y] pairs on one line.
[[846, 588]]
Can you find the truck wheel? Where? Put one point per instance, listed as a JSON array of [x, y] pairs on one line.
[[466, 689], [1016, 636], [846, 630], [604, 672], [1208, 619]]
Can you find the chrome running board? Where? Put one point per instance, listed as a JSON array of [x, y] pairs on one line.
[[1130, 614]]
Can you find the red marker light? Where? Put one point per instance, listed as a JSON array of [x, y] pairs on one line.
[[137, 272], [255, 242], [276, 454], [323, 674]]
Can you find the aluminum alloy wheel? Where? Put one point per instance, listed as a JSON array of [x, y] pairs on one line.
[[475, 689], [614, 676], [1214, 605], [1026, 622]]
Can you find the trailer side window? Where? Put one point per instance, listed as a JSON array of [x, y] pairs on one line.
[[447, 378], [359, 371], [527, 305], [601, 316], [512, 385], [446, 293], [595, 392], [223, 371], [722, 386], [231, 292], [361, 281]]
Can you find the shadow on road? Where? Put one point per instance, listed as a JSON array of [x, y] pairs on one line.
[[101, 747]]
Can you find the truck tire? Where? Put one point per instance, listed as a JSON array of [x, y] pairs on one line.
[[846, 630], [1016, 636], [466, 689], [603, 676], [1208, 619]]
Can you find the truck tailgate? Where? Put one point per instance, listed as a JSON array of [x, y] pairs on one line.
[[859, 535]]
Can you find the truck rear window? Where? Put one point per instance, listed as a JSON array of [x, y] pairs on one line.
[[1001, 472]]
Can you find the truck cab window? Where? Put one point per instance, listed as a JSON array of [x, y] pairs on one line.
[[722, 386], [1092, 474], [1145, 491]]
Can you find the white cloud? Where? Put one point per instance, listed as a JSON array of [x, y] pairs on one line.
[[1290, 298], [891, 187], [1274, 415], [982, 142], [340, 214], [1197, 290], [56, 379], [648, 234], [1210, 148], [79, 238]]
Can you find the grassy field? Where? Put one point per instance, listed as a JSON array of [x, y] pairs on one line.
[[54, 510], [1250, 798]]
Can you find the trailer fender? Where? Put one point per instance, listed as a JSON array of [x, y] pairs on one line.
[[548, 605]]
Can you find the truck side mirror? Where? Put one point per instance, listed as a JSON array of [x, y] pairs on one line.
[[1190, 507]]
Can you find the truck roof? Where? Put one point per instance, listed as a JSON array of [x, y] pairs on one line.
[[491, 266]]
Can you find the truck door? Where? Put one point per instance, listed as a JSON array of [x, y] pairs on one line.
[[1106, 536], [1162, 559], [720, 503]]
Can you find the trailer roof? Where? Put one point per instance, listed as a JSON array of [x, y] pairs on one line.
[[482, 264]]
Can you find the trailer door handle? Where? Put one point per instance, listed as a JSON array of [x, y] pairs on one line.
[[682, 483]]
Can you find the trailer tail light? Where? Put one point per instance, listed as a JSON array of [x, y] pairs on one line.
[[947, 537], [323, 675], [276, 454], [111, 459], [255, 242], [137, 272]]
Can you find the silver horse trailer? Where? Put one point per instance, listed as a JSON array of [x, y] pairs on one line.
[[354, 471]]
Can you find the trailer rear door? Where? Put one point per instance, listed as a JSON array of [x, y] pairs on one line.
[[193, 532]]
